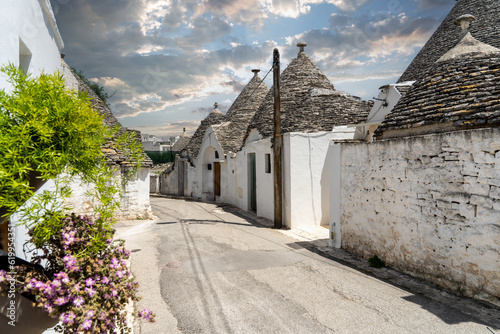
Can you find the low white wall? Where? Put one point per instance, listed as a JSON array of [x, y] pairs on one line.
[[429, 206], [135, 199], [134, 203]]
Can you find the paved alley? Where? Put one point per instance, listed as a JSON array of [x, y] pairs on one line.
[[209, 269]]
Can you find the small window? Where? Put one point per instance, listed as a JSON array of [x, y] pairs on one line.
[[209, 166], [24, 56], [268, 163], [216, 155]]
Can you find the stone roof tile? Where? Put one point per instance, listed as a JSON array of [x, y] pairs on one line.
[[113, 155], [215, 117], [309, 102], [230, 134], [484, 29], [461, 92]]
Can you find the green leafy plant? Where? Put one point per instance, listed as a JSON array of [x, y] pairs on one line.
[[376, 262], [99, 90], [52, 132]]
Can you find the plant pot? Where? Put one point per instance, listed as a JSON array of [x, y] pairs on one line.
[[24, 314]]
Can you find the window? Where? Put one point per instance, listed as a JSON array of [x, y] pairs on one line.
[[268, 163], [216, 155], [24, 56]]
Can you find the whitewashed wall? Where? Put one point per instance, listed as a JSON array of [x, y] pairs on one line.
[[134, 201], [135, 198], [428, 205], [28, 27], [265, 181], [307, 172]]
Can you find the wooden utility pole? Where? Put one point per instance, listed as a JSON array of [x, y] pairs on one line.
[[278, 181]]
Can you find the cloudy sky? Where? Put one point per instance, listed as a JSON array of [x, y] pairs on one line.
[[168, 61]]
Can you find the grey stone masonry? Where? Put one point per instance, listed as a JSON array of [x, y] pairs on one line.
[[114, 156], [485, 29], [429, 206], [230, 134], [309, 102], [181, 143], [215, 117], [456, 94]]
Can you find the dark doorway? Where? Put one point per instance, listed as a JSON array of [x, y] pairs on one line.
[[216, 178], [252, 182], [180, 180]]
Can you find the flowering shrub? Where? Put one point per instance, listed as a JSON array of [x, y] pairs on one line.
[[86, 290]]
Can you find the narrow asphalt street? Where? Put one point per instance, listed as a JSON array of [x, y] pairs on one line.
[[209, 269]]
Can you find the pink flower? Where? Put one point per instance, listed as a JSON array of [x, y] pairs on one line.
[[105, 280], [78, 301], [114, 263], [87, 324], [90, 291], [147, 315], [68, 318], [63, 277], [40, 285], [89, 282], [60, 301], [3, 276]]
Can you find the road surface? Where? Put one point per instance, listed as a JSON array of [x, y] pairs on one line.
[[207, 269]]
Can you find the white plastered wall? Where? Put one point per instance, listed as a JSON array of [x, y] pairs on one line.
[[29, 25], [28, 28], [307, 176], [265, 181], [428, 206]]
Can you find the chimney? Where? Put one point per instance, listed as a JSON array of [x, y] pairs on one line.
[[301, 46], [464, 21]]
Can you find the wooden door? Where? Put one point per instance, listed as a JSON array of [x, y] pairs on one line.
[[216, 178]]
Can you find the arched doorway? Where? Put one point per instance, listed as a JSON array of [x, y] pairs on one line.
[[211, 174]]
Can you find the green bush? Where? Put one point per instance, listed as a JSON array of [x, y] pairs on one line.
[[49, 130], [161, 157]]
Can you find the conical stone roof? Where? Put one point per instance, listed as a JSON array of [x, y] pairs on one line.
[[114, 156], [309, 102], [461, 91], [485, 29], [215, 117], [182, 142], [230, 134]]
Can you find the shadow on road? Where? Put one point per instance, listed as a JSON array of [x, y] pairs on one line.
[[428, 296]]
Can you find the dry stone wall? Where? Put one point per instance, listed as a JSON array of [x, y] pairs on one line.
[[429, 206]]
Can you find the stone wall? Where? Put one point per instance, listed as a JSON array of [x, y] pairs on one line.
[[135, 202], [429, 206]]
